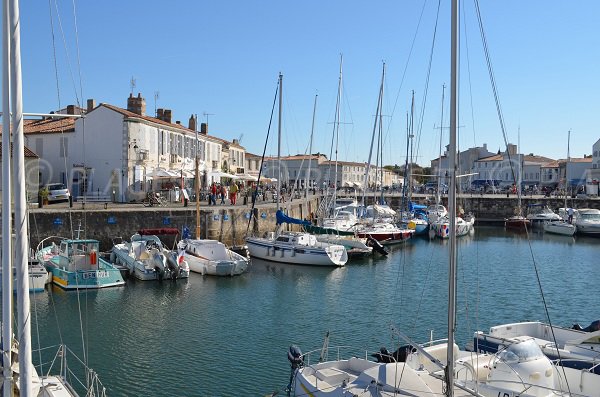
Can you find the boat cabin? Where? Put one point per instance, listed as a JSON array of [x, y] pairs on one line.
[[297, 239], [77, 255]]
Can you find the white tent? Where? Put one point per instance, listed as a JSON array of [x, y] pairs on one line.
[[247, 177], [220, 174], [161, 173]]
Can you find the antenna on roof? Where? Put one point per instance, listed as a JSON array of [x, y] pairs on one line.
[[156, 96], [240, 138], [132, 84], [206, 115]]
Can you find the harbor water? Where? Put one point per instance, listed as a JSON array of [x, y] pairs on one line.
[[210, 336]]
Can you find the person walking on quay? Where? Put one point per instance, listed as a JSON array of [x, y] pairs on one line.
[[233, 193], [212, 197], [223, 193]]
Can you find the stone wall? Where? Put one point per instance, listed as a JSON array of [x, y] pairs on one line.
[[227, 224]]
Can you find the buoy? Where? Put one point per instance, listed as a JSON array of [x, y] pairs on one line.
[[412, 225]]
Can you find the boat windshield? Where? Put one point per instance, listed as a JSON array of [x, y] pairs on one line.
[[521, 352], [590, 216]]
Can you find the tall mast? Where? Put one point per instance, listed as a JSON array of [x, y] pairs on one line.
[[379, 104], [312, 130], [197, 183], [449, 371], [439, 181], [279, 140], [337, 128], [567, 167], [7, 290], [21, 227]]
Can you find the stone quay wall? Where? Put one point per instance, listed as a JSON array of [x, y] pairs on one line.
[[224, 223], [229, 223]]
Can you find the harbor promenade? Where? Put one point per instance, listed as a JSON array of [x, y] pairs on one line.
[[231, 223]]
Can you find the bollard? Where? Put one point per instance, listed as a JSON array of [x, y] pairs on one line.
[[70, 201], [40, 201], [185, 202]]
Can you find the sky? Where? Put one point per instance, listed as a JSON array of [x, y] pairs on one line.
[[221, 60]]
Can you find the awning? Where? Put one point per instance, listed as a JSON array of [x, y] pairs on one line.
[[161, 173], [246, 177], [224, 175]]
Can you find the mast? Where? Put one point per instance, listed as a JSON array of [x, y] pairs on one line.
[[438, 198], [21, 227], [367, 168], [567, 166], [449, 371], [7, 290], [197, 175], [312, 130], [518, 188], [279, 140], [336, 128]]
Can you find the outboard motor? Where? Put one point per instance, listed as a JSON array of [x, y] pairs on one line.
[[296, 361], [377, 246], [399, 356], [174, 268], [159, 264], [295, 357]]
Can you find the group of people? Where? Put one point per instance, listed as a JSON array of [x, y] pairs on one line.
[[220, 190]]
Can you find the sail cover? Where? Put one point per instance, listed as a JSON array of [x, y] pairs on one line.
[[283, 218]]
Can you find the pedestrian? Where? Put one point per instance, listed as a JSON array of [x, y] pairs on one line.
[[212, 198], [570, 212], [233, 193], [223, 193]]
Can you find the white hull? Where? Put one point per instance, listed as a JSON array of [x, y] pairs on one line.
[[38, 278], [314, 254], [560, 227], [211, 257]]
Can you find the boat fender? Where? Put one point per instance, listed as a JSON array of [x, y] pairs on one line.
[[93, 257], [295, 357]]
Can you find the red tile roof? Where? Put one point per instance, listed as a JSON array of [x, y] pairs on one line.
[[28, 152], [47, 126]]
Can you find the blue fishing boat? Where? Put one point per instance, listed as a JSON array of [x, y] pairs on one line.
[[76, 264]]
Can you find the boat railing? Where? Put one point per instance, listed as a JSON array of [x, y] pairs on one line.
[[340, 351], [78, 376]]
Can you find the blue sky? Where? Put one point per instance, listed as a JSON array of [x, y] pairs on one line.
[[223, 57]]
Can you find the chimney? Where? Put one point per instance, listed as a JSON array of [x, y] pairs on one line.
[[178, 122], [70, 109], [160, 113], [236, 142], [167, 115], [136, 105], [204, 128], [91, 104], [192, 123]]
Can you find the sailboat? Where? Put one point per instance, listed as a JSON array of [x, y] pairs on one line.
[[209, 257], [558, 225], [437, 367], [19, 376], [518, 222], [298, 248]]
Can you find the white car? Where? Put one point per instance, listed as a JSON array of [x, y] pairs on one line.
[[57, 192]]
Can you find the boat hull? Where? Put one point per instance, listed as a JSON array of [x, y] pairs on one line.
[[388, 238], [105, 276], [270, 250], [562, 228]]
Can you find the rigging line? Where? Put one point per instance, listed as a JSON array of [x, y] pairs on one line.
[[424, 101], [494, 88], [469, 76], [412, 46], [499, 111], [262, 160], [63, 145], [62, 32]]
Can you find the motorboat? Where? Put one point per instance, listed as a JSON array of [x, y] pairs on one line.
[[76, 264], [560, 227], [441, 227], [558, 343], [587, 221], [38, 275], [355, 246], [385, 233], [212, 258], [518, 223], [435, 212], [146, 257], [538, 214]]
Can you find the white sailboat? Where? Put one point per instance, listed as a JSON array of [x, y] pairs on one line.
[[439, 367], [554, 223], [19, 376], [298, 248]]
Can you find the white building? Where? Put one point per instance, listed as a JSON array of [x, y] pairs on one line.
[[32, 172], [122, 153]]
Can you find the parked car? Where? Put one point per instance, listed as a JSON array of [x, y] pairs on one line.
[[57, 192]]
